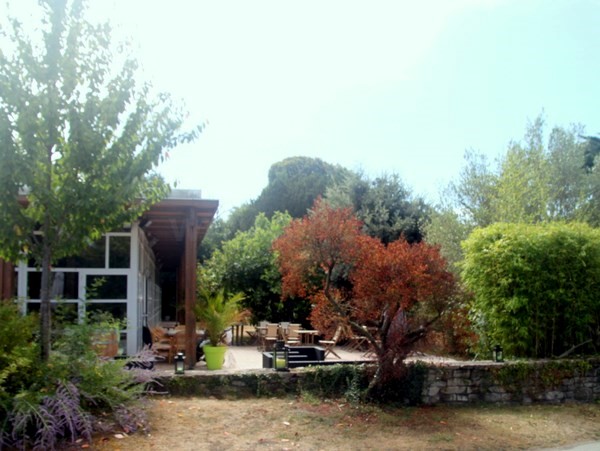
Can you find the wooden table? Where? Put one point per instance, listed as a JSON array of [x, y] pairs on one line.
[[237, 334], [308, 336]]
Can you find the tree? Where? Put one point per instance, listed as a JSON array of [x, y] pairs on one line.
[[473, 195], [532, 182], [248, 264], [401, 289], [384, 205], [78, 137], [447, 231], [294, 184], [535, 287], [591, 151], [217, 234]]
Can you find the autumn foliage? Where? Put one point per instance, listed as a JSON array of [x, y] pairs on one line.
[[391, 294]]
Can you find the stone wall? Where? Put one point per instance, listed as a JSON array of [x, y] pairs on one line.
[[551, 381]]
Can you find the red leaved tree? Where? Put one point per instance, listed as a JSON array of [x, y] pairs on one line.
[[355, 280], [404, 289]]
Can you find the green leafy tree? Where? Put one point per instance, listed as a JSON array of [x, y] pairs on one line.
[[523, 187], [532, 182], [591, 151], [384, 205], [448, 231], [217, 234], [472, 196], [78, 136], [536, 287], [248, 264], [294, 184]]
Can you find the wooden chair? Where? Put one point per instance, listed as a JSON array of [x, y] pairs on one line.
[[261, 333], [293, 337], [329, 344], [161, 342], [356, 342], [177, 345], [271, 335]]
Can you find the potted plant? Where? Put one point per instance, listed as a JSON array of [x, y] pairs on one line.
[[217, 312]]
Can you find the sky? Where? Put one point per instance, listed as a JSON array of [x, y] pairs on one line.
[[376, 86]]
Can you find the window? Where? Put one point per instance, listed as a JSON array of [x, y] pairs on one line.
[[118, 256], [64, 286], [62, 312], [92, 256], [106, 287], [118, 310]]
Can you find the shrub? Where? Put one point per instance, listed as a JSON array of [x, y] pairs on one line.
[[536, 287], [43, 404], [348, 381]]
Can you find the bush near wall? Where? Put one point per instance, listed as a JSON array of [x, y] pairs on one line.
[[536, 287]]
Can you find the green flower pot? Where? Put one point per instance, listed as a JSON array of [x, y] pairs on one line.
[[214, 356]]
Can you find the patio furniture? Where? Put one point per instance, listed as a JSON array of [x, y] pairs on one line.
[[357, 342], [308, 335], [177, 345], [271, 335], [161, 342], [329, 344], [261, 332], [293, 337]]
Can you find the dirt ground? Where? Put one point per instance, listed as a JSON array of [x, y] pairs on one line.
[[311, 424]]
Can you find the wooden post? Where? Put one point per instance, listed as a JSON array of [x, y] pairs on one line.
[[7, 277], [191, 251]]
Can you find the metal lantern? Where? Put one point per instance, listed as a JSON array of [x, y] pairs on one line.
[[497, 354], [179, 363], [281, 356]]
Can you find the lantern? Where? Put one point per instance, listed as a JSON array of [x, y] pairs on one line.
[[281, 360], [497, 354], [179, 363]]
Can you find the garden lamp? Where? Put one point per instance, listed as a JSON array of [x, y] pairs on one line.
[[179, 363], [497, 354], [281, 356]]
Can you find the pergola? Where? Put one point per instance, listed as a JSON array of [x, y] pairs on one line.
[[174, 228]]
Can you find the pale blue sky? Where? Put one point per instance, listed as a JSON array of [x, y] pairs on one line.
[[383, 86]]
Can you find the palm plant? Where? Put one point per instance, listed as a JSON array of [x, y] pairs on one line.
[[217, 311]]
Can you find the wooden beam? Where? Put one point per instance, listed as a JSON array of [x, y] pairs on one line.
[[7, 277], [191, 250]]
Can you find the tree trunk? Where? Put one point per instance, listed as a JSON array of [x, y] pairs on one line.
[[45, 307]]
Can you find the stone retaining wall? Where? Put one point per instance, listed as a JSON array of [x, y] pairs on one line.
[[551, 381], [441, 383]]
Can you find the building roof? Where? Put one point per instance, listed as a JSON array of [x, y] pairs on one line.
[[166, 221]]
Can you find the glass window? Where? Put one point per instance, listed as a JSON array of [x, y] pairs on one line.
[[34, 285], [92, 256], [62, 312], [106, 287], [118, 256], [64, 286], [118, 310]]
